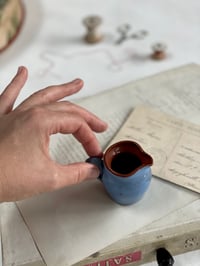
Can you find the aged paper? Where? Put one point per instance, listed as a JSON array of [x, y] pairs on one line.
[[63, 145], [173, 144], [18, 246]]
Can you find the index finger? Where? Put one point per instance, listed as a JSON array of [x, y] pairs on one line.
[[60, 122], [52, 94]]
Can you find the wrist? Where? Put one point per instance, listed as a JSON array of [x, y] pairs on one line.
[[1, 187]]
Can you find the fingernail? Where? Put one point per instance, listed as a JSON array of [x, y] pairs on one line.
[[94, 172], [105, 124], [77, 81], [19, 69]]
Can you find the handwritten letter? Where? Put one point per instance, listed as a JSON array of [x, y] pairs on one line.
[[173, 144]]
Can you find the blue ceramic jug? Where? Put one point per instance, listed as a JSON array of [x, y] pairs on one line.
[[125, 171]]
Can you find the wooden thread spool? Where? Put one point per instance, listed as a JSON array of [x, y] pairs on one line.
[[92, 24], [159, 51]]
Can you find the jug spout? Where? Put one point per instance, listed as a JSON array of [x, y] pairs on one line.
[[144, 158], [126, 157]]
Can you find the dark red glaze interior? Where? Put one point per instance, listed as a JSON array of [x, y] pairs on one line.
[[127, 146]]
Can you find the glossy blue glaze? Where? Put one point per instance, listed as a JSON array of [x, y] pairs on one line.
[[127, 190], [124, 190]]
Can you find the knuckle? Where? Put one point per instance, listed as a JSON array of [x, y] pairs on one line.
[[35, 114], [67, 105], [72, 108], [53, 183], [79, 176], [44, 94], [53, 180]]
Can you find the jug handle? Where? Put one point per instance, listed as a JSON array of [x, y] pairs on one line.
[[99, 163]]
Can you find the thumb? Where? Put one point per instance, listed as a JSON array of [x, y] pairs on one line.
[[75, 173]]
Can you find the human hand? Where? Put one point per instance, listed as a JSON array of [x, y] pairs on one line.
[[26, 168]]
